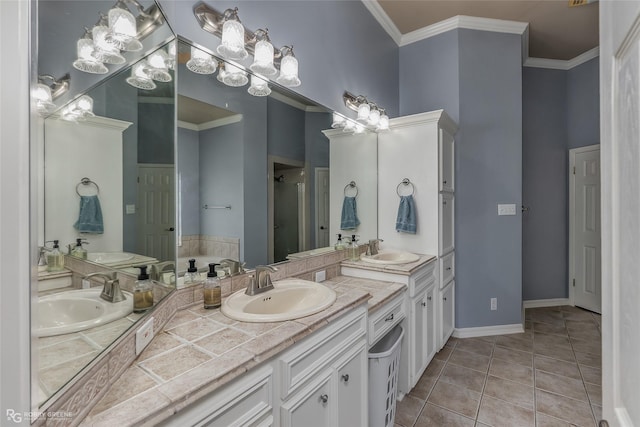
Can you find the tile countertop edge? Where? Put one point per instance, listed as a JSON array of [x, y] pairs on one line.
[[403, 269], [181, 400]]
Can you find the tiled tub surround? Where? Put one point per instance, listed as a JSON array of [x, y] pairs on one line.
[[217, 246], [548, 376]]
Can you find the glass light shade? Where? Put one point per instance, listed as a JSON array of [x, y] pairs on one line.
[[139, 77], [222, 73], [122, 30], [259, 87], [86, 61], [201, 62], [363, 112], [85, 104], [359, 128], [383, 124], [171, 55], [68, 114], [263, 59], [41, 94], [338, 121], [157, 66], [103, 50], [349, 126], [235, 77], [289, 71], [374, 117], [232, 45]]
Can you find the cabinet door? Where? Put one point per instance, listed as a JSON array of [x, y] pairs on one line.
[[447, 313], [352, 388], [447, 174], [446, 229], [311, 406], [423, 333], [429, 307]]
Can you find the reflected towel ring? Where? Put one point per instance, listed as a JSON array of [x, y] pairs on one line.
[[352, 184], [406, 182], [86, 181]]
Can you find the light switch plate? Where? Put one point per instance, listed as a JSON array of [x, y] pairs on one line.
[[144, 335], [507, 209], [130, 209]]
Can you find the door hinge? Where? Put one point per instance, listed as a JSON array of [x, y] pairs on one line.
[[574, 283], [574, 170]]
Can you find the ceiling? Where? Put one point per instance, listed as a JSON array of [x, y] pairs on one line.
[[197, 112], [556, 30]]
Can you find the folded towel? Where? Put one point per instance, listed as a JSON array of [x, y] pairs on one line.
[[349, 219], [406, 220], [90, 217]]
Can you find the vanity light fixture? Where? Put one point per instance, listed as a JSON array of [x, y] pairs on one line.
[[104, 51], [288, 68], [122, 28], [157, 66], [349, 126], [369, 113], [235, 76], [201, 62], [78, 110], [259, 86], [374, 116], [86, 61], [171, 55], [139, 77], [263, 55], [339, 121], [232, 45], [47, 89], [222, 72], [383, 123]]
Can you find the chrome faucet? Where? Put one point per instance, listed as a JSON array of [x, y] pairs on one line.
[[111, 290], [232, 267], [42, 259], [162, 267], [374, 246], [262, 280]]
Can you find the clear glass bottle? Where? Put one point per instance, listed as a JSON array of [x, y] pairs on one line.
[[142, 291], [78, 251], [55, 258], [339, 244], [192, 275], [212, 290], [354, 249]]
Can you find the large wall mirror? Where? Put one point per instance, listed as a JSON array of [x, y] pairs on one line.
[[106, 176]]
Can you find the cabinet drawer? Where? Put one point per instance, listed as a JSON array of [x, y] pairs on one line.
[[386, 318], [447, 268], [300, 364], [423, 278]]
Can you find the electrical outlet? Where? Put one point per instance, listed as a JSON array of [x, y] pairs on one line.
[[86, 284], [321, 276], [494, 304], [144, 335]]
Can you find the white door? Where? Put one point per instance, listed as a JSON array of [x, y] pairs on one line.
[[620, 166], [322, 208], [584, 223], [156, 207]]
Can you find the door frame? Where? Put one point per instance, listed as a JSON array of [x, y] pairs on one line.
[[572, 208], [317, 203]]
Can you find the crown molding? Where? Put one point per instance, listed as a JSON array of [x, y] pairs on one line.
[[383, 19], [559, 64]]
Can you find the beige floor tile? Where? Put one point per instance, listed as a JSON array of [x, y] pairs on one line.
[[433, 415], [558, 367], [443, 355], [509, 391], [597, 412], [543, 420], [455, 398], [578, 315], [498, 413], [513, 356], [585, 334], [587, 346], [489, 338], [546, 328], [564, 408], [515, 342], [559, 353], [550, 317], [463, 377], [511, 371], [593, 360], [407, 411], [540, 339], [474, 345], [175, 362], [591, 375], [451, 342], [595, 394], [590, 324], [470, 360], [561, 385], [426, 382]]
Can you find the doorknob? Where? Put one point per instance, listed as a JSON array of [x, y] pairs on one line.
[[322, 227], [525, 208], [169, 229]]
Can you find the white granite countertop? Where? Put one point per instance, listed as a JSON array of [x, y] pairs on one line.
[[200, 350]]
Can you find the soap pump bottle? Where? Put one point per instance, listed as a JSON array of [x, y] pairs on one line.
[[79, 251], [340, 243], [142, 291], [192, 276], [354, 249], [212, 290], [55, 258]]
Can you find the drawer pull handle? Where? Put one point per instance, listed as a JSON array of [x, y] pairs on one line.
[[444, 182], [389, 318], [424, 304], [444, 298], [345, 378], [429, 298], [448, 268], [324, 398]]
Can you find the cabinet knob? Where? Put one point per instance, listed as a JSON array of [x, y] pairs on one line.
[[389, 318], [424, 304], [429, 298], [444, 202], [444, 298], [345, 378], [444, 182], [448, 268], [324, 398]]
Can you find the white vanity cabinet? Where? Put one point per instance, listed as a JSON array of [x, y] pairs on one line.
[[447, 312]]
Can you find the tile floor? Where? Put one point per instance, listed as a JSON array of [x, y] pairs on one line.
[[547, 376]]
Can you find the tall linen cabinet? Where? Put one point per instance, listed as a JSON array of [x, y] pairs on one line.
[[417, 157]]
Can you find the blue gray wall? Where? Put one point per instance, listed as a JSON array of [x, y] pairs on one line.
[[188, 163], [583, 99]]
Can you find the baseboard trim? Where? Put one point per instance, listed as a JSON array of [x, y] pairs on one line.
[[484, 331], [551, 302]]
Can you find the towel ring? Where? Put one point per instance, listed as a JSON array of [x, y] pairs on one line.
[[406, 182], [86, 181], [352, 184]]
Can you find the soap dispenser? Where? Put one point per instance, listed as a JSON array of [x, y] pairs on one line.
[[354, 249], [212, 290], [79, 251], [142, 291], [55, 258], [340, 243], [192, 275]]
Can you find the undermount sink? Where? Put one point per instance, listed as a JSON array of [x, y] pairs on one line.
[[109, 257], [390, 258], [290, 299], [74, 311]]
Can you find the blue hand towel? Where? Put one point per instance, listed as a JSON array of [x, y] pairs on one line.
[[90, 217], [406, 220], [349, 220]]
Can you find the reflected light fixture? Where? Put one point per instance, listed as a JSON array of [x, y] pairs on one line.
[[235, 76], [288, 68], [44, 93], [86, 61], [374, 115], [104, 51], [259, 86], [363, 111], [338, 121], [201, 62], [122, 28], [139, 77], [222, 72], [171, 55], [383, 124], [349, 126], [359, 128], [78, 110], [232, 45], [369, 113], [263, 55], [157, 66]]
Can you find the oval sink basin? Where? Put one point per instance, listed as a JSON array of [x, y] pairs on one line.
[[290, 299], [109, 257], [390, 258], [74, 311]]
